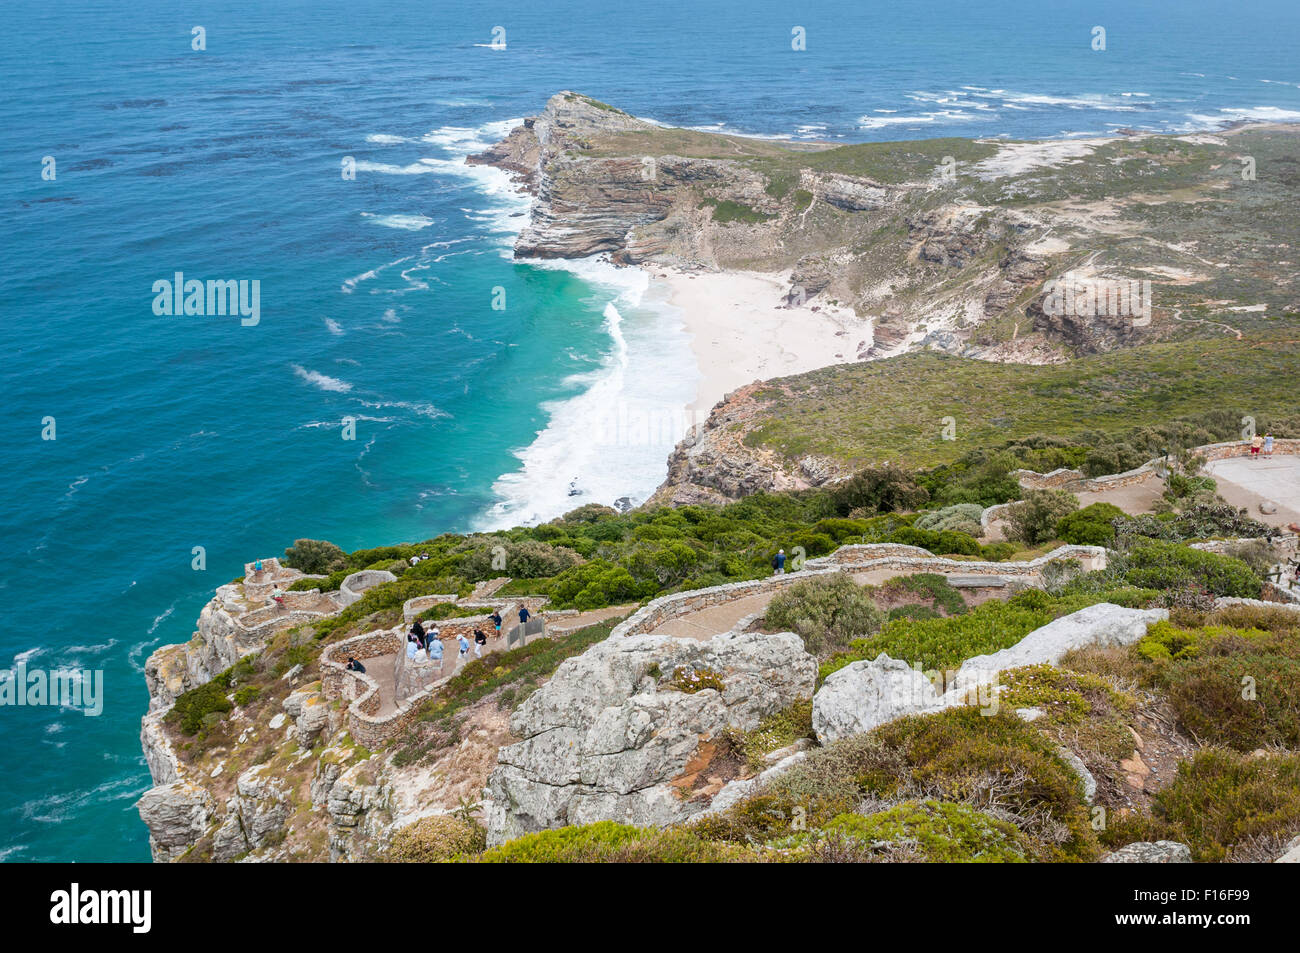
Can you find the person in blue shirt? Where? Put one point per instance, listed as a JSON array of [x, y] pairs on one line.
[[464, 646], [434, 647], [524, 614], [778, 563]]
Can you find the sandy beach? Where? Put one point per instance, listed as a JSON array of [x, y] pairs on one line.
[[741, 330]]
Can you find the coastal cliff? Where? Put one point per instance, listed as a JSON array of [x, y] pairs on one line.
[[942, 245]]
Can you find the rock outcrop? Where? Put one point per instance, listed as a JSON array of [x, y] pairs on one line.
[[610, 738], [864, 695], [1151, 852], [1103, 625], [177, 814]]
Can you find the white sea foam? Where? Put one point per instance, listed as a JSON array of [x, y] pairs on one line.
[[333, 326], [383, 139], [613, 438], [1248, 114], [322, 381], [410, 223]]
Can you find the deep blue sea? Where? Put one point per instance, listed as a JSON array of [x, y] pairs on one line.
[[174, 432]]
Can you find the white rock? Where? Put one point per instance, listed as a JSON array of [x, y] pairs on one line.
[[606, 737], [277, 720], [1151, 852], [1103, 625], [863, 695], [1292, 853]]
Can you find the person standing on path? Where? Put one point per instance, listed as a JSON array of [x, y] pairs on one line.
[[1256, 442], [496, 620], [480, 640], [1268, 445], [464, 649], [778, 563], [435, 649], [524, 615]]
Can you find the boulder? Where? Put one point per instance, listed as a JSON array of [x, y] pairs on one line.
[[1102, 625], [1151, 852], [863, 695], [177, 815], [610, 738], [310, 713], [1267, 507]]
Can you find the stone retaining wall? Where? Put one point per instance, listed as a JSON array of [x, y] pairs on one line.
[[354, 586], [1076, 482], [855, 558]]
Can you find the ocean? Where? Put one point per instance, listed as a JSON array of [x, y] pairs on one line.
[[174, 432]]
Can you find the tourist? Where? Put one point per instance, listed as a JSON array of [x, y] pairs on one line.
[[1256, 442], [496, 620], [778, 563], [524, 615], [417, 632], [257, 567], [277, 596], [430, 638], [435, 650], [1268, 445], [464, 647], [413, 649], [354, 665], [480, 640]]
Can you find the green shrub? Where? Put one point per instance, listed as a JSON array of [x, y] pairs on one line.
[[594, 585], [883, 489], [329, 584], [913, 612], [934, 587], [958, 755], [826, 611], [998, 552], [1229, 686], [926, 831], [432, 840], [1033, 520], [489, 557], [315, 556], [608, 842], [960, 517], [1221, 802], [1159, 565], [1090, 526], [940, 543]]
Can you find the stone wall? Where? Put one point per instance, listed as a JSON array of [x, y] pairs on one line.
[[1076, 482], [855, 558], [354, 586]]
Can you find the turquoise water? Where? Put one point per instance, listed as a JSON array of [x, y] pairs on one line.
[[184, 431]]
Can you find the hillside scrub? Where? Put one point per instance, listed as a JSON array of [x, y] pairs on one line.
[[962, 756], [1034, 519], [938, 645], [826, 611], [1224, 805]]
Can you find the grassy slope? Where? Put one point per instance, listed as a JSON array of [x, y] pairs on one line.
[[893, 409]]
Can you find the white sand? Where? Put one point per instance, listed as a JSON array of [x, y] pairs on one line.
[[741, 331]]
